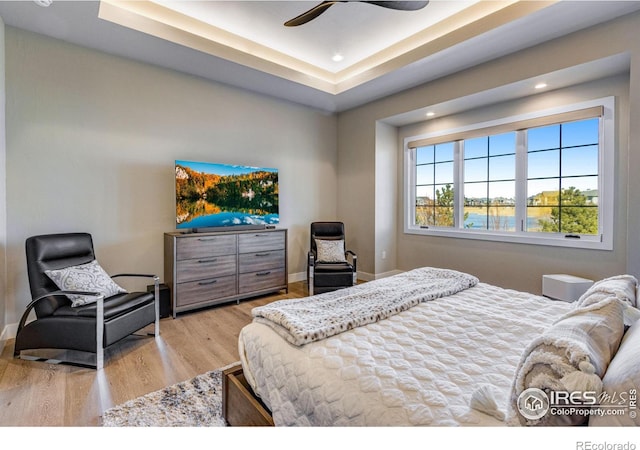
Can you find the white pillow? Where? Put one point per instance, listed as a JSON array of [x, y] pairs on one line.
[[621, 384], [622, 287], [85, 277], [330, 250], [589, 333]]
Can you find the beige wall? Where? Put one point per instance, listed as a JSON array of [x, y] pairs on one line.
[[386, 194], [92, 139], [511, 265]]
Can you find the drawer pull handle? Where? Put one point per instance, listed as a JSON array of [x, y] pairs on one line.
[[203, 261], [263, 274], [206, 239], [205, 283], [262, 254]]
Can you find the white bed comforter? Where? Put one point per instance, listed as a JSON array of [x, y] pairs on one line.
[[418, 367]]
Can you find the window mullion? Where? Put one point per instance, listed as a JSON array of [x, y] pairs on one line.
[[521, 181], [458, 185]]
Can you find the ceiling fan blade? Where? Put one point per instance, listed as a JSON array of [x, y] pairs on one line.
[[403, 6], [311, 14]]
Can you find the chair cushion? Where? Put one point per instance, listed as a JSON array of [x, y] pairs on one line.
[[113, 306], [322, 267], [84, 277]]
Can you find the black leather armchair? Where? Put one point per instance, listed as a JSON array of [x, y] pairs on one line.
[[87, 328], [325, 276]]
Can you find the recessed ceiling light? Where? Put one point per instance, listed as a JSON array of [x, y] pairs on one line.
[[43, 3], [541, 85], [430, 114], [337, 57]]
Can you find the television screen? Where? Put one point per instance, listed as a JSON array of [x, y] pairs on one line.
[[212, 195]]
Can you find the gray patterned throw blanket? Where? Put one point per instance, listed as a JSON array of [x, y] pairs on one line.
[[309, 319]]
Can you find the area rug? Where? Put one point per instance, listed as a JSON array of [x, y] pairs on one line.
[[192, 403]]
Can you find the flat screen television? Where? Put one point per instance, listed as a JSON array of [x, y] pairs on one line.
[[212, 196]]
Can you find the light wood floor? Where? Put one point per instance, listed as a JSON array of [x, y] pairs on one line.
[[40, 394]]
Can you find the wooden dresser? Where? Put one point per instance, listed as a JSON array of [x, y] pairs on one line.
[[204, 269]]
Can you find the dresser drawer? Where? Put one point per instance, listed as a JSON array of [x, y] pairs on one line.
[[200, 268], [260, 242], [205, 246], [260, 261], [205, 290], [257, 281]]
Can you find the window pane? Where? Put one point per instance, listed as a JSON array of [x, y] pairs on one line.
[[544, 164], [502, 218], [573, 195], [475, 170], [476, 148], [584, 132], [502, 167], [502, 193], [475, 194], [424, 155], [424, 174], [586, 185], [540, 219], [579, 219], [580, 161], [424, 215], [444, 152], [543, 138], [424, 194], [475, 218], [443, 217], [543, 192], [502, 144], [444, 173]]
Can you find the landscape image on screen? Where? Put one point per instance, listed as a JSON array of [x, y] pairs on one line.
[[221, 195]]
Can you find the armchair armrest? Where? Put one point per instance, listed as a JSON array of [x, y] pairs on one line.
[[156, 295], [99, 319], [35, 301], [144, 275], [354, 263]]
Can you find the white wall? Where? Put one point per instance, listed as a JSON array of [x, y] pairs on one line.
[[91, 144]]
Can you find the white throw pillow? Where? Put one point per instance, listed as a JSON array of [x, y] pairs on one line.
[[621, 384], [85, 277], [330, 250]]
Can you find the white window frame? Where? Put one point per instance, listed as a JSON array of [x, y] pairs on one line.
[[606, 186]]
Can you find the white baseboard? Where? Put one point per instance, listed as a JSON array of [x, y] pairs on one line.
[[300, 276], [366, 276], [9, 332], [388, 274]]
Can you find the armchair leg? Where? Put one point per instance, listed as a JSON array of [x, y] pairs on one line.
[[156, 326], [100, 334], [311, 281]]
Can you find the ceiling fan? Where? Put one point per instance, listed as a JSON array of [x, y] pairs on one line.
[[323, 6]]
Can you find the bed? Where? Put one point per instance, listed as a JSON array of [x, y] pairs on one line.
[[433, 347]]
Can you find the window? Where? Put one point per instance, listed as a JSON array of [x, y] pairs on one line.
[[543, 178]]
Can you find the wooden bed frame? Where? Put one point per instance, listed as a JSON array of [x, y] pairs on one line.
[[240, 406]]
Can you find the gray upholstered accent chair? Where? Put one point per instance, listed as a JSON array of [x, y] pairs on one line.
[[90, 327], [336, 272]]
